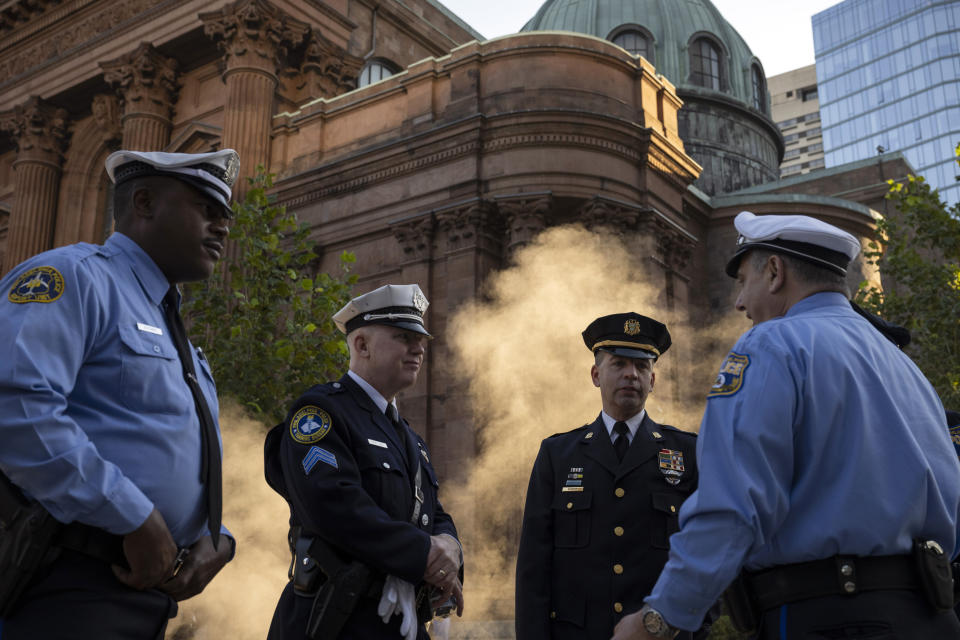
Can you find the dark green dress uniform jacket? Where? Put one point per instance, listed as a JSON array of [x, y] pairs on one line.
[[596, 531], [357, 494]]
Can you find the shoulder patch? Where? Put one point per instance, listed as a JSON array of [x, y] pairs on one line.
[[310, 424], [955, 436], [40, 284], [731, 375]]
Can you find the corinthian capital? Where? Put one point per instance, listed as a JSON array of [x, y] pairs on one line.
[[254, 33], [327, 69], [39, 130], [145, 79], [525, 217]]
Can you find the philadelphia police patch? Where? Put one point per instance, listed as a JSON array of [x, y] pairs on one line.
[[730, 378], [310, 424], [40, 284]]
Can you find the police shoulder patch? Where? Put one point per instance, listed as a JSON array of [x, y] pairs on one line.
[[40, 284], [730, 378], [310, 424]]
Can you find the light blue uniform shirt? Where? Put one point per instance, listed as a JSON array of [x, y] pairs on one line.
[[820, 438], [96, 420]]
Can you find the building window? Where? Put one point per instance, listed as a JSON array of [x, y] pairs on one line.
[[759, 89], [705, 64], [375, 71], [810, 93], [636, 41]]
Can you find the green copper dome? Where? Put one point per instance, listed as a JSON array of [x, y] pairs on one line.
[[674, 27]]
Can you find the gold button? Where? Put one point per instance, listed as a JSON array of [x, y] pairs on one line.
[[618, 531], [618, 607], [553, 614], [619, 492], [569, 505], [618, 569], [673, 509]]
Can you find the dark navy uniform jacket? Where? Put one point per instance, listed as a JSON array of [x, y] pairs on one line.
[[353, 487], [596, 531]]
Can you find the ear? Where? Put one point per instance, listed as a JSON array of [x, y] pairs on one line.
[[595, 375], [142, 201], [653, 379], [776, 273], [361, 346]]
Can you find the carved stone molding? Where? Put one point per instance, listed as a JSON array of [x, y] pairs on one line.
[[17, 14], [254, 34], [524, 217], [145, 80], [327, 70], [472, 225], [671, 247], [106, 111], [72, 34], [415, 237], [602, 213], [39, 131]]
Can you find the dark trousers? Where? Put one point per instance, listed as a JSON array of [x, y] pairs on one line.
[[293, 611], [79, 598], [873, 615]]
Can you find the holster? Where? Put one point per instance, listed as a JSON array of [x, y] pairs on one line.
[[936, 576], [741, 605], [338, 585], [27, 531]]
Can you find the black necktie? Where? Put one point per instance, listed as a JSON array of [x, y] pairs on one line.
[[210, 471], [622, 442], [408, 445]]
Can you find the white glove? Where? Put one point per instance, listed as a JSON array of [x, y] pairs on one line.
[[388, 600], [398, 598]]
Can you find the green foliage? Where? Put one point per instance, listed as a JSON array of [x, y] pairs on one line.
[[266, 321], [918, 254]]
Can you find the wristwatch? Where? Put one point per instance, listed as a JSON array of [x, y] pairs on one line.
[[655, 625]]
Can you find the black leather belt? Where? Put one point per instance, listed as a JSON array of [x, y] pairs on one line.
[[839, 575], [92, 542]]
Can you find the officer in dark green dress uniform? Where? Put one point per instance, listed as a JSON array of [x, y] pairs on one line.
[[603, 499]]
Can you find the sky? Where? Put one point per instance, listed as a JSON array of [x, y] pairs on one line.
[[778, 32]]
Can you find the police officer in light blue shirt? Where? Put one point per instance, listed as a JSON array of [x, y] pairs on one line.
[[827, 477], [98, 420]]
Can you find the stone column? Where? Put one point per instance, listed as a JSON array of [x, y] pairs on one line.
[[416, 240], [39, 131], [255, 38], [147, 84]]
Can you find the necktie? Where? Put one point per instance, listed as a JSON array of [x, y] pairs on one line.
[[622, 442], [211, 474], [410, 449]]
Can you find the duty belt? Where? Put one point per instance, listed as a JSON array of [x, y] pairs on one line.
[[839, 575], [92, 542]]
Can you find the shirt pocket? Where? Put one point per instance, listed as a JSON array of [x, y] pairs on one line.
[[151, 376], [382, 476], [571, 520], [666, 509]]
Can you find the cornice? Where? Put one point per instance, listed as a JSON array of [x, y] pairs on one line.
[[13, 35]]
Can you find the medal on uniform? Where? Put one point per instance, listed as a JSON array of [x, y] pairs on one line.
[[574, 482], [671, 465]]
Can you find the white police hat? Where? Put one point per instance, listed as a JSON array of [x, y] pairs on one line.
[[213, 173], [395, 305], [802, 237]]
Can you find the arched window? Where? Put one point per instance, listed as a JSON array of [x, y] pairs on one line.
[[375, 71], [635, 40], [759, 89], [705, 64]]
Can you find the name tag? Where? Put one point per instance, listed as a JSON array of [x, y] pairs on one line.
[[150, 329], [377, 443]]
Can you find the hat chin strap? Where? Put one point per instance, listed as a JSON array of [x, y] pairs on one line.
[[367, 317]]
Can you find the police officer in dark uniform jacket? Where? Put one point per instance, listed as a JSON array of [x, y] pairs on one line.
[[362, 490], [603, 499]]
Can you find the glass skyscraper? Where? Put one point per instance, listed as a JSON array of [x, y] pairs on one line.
[[888, 75]]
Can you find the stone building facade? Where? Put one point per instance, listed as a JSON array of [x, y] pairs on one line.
[[434, 175]]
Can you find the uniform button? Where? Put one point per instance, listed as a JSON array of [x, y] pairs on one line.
[[553, 615], [618, 531], [673, 509], [618, 569], [425, 519], [386, 465], [618, 607], [156, 348], [569, 505], [336, 385], [619, 492]]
